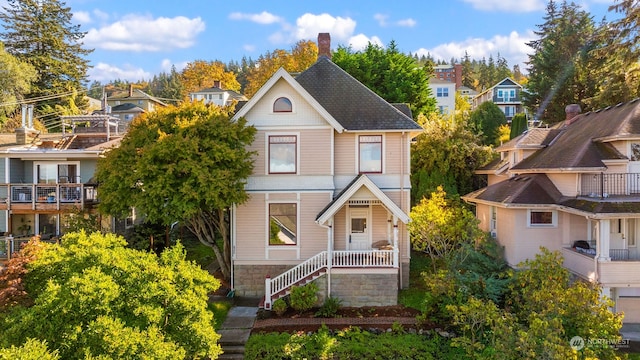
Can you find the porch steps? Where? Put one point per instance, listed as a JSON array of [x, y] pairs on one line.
[[304, 281]]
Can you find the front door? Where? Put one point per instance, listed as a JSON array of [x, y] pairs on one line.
[[359, 229]]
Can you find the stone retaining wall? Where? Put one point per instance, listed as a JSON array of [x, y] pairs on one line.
[[365, 289], [249, 279]]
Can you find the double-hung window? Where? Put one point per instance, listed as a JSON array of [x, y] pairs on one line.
[[370, 153], [282, 154], [283, 224]]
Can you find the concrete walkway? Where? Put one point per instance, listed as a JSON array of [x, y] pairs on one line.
[[236, 328]]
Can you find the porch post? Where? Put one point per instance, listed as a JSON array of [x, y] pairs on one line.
[[388, 227], [396, 250], [604, 233], [329, 255]]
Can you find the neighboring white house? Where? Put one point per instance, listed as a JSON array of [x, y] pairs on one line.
[[445, 94], [217, 95]]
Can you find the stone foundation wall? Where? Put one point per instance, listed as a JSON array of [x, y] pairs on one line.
[[365, 289], [249, 279]]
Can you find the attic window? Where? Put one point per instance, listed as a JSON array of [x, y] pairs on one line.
[[282, 104]]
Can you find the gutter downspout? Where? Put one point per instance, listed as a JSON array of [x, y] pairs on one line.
[[402, 160], [329, 253]]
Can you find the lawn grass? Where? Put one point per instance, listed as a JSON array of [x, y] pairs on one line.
[[202, 254], [220, 309], [413, 296]]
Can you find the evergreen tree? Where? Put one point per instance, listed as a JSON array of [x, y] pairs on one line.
[[468, 73], [518, 125], [391, 74], [561, 66], [40, 32]]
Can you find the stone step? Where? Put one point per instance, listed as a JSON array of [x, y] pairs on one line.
[[233, 349], [231, 357]]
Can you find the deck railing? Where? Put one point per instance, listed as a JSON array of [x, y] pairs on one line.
[[604, 185], [322, 261], [10, 245], [48, 193]]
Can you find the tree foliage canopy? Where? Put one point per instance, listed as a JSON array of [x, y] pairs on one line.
[[561, 66], [392, 75], [93, 297], [486, 120], [301, 56], [186, 163], [200, 74], [16, 78], [446, 154], [41, 33]]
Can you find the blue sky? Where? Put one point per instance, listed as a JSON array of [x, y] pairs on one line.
[[136, 39]]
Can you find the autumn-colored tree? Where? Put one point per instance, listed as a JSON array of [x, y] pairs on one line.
[[301, 56], [15, 81], [201, 74], [187, 163], [441, 226]]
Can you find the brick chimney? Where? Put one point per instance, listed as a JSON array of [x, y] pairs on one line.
[[217, 84], [324, 45], [130, 90], [571, 111]]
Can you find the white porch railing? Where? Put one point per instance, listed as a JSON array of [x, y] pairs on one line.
[[322, 261]]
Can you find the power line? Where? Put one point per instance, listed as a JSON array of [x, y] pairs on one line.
[[41, 98]]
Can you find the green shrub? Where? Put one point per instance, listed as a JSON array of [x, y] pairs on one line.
[[303, 298], [329, 308], [279, 307]]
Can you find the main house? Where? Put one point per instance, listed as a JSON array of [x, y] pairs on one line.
[[574, 188], [329, 194]]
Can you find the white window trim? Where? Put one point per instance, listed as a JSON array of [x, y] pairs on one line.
[[266, 151], [276, 97], [357, 152], [554, 219], [37, 163], [267, 227]]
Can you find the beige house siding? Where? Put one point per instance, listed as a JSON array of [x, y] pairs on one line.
[[630, 306], [315, 152], [483, 214], [313, 237], [619, 273], [345, 159], [250, 234], [303, 113], [567, 184], [522, 242]]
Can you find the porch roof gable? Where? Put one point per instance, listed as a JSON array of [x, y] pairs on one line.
[[356, 184]]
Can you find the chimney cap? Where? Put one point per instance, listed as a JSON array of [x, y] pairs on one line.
[[571, 111]]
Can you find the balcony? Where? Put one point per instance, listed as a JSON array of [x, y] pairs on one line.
[[46, 196], [605, 185], [622, 270]]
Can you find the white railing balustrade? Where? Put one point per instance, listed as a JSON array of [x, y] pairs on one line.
[[314, 265], [363, 258]]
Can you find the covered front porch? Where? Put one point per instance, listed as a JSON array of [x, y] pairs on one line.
[[362, 257]]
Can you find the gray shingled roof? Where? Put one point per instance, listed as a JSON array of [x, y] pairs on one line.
[[579, 144], [524, 189], [351, 103]]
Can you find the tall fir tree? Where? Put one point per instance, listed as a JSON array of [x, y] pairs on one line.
[[40, 33], [562, 62]]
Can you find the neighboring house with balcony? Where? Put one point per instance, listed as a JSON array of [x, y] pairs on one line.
[[330, 190], [217, 95], [507, 94], [445, 94], [573, 188], [45, 178]]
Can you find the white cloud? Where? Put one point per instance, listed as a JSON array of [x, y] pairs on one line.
[[249, 47], [101, 15], [309, 25], [105, 73], [166, 65], [406, 22], [264, 18], [512, 47], [360, 41], [82, 17], [507, 5], [143, 33], [381, 19]]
